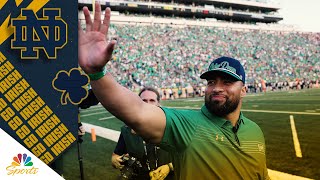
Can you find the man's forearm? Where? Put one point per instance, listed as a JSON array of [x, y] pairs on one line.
[[146, 119], [118, 100]]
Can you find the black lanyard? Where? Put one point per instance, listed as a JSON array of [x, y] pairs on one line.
[[146, 153]]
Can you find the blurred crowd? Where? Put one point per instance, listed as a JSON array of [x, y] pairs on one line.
[[174, 57]]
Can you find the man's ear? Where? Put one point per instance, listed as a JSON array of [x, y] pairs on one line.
[[243, 91]]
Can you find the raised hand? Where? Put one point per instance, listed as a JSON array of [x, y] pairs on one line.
[[94, 50]]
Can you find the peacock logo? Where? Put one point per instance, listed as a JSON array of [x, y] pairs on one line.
[[22, 158], [21, 164]]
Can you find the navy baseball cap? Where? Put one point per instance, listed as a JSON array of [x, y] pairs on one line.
[[227, 65]]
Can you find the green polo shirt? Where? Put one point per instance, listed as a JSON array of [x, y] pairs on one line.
[[205, 147]]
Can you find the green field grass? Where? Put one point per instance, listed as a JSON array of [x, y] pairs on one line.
[[273, 118], [96, 160]]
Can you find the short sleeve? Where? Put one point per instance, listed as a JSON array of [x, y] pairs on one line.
[[179, 130]]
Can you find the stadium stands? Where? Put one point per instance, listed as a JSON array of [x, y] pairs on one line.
[[153, 52], [154, 55]]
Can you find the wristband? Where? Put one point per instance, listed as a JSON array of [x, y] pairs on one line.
[[96, 76]]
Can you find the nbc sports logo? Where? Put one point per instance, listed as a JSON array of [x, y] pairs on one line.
[[18, 159], [21, 164]]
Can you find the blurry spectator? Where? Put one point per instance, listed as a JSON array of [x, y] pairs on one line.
[[151, 56]]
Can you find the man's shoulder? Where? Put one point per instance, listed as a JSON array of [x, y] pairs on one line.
[[183, 111], [248, 121], [250, 124]]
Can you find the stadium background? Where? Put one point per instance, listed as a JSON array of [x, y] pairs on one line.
[[168, 44]]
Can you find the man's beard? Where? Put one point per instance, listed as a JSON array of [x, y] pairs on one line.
[[221, 110]]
